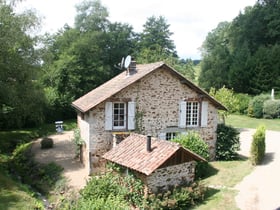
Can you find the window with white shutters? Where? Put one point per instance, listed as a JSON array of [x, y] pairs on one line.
[[192, 113], [120, 115]]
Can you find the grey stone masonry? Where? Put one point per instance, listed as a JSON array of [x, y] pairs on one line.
[[164, 179]]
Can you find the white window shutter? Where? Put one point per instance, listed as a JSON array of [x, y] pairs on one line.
[[162, 136], [131, 115], [182, 114], [108, 116], [204, 113]]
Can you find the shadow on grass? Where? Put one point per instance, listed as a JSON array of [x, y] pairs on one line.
[[205, 170], [208, 196]]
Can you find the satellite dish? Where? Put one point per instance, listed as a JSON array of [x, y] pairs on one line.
[[127, 61], [122, 63]]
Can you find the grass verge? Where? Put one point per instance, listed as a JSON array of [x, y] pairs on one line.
[[221, 193], [14, 195], [243, 121]]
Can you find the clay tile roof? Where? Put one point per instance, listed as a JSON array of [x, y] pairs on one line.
[[132, 153], [113, 86], [121, 81]]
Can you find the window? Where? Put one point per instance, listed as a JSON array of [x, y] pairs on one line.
[[170, 136], [119, 115], [192, 113]]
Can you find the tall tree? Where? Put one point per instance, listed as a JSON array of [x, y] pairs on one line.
[[156, 39], [248, 55], [21, 99], [81, 58]]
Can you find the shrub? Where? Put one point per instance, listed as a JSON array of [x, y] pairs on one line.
[[195, 143], [178, 198], [227, 142], [243, 103], [226, 97], [46, 143], [255, 108], [271, 109], [127, 188], [23, 166], [258, 146]]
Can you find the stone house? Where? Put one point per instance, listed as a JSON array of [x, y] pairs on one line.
[[149, 99], [160, 164]]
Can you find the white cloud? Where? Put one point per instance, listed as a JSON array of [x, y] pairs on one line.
[[190, 20]]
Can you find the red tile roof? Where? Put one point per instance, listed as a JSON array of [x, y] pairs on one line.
[[132, 153], [121, 81]]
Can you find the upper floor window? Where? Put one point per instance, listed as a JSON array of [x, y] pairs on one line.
[[119, 115], [192, 113]]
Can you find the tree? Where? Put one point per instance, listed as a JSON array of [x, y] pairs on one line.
[[21, 97], [91, 16], [243, 57], [155, 40], [77, 60], [216, 58]]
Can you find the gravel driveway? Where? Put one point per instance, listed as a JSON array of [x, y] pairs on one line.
[[261, 189], [63, 154]]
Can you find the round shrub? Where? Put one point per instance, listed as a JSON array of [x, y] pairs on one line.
[[271, 109], [195, 143], [46, 143], [227, 142], [255, 108]]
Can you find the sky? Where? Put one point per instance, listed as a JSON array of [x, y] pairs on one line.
[[190, 20]]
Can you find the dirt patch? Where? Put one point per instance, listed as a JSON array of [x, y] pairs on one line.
[[63, 154], [260, 189]]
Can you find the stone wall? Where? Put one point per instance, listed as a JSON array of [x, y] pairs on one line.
[[157, 97], [164, 179]]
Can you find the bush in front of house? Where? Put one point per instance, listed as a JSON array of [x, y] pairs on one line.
[[127, 190], [257, 151], [271, 109], [227, 143], [115, 191], [255, 108], [46, 143], [195, 143], [178, 198]]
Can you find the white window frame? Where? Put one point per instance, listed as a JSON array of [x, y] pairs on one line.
[[118, 127], [170, 135], [192, 114]]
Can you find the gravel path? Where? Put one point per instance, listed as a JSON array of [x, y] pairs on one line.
[[261, 189], [63, 153]]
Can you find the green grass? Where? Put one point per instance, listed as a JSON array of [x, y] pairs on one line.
[[15, 196], [242, 121], [221, 194]]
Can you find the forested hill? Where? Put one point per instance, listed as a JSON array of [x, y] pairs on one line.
[[244, 54]]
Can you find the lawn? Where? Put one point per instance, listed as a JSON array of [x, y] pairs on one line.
[[15, 196], [221, 193], [243, 121]]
